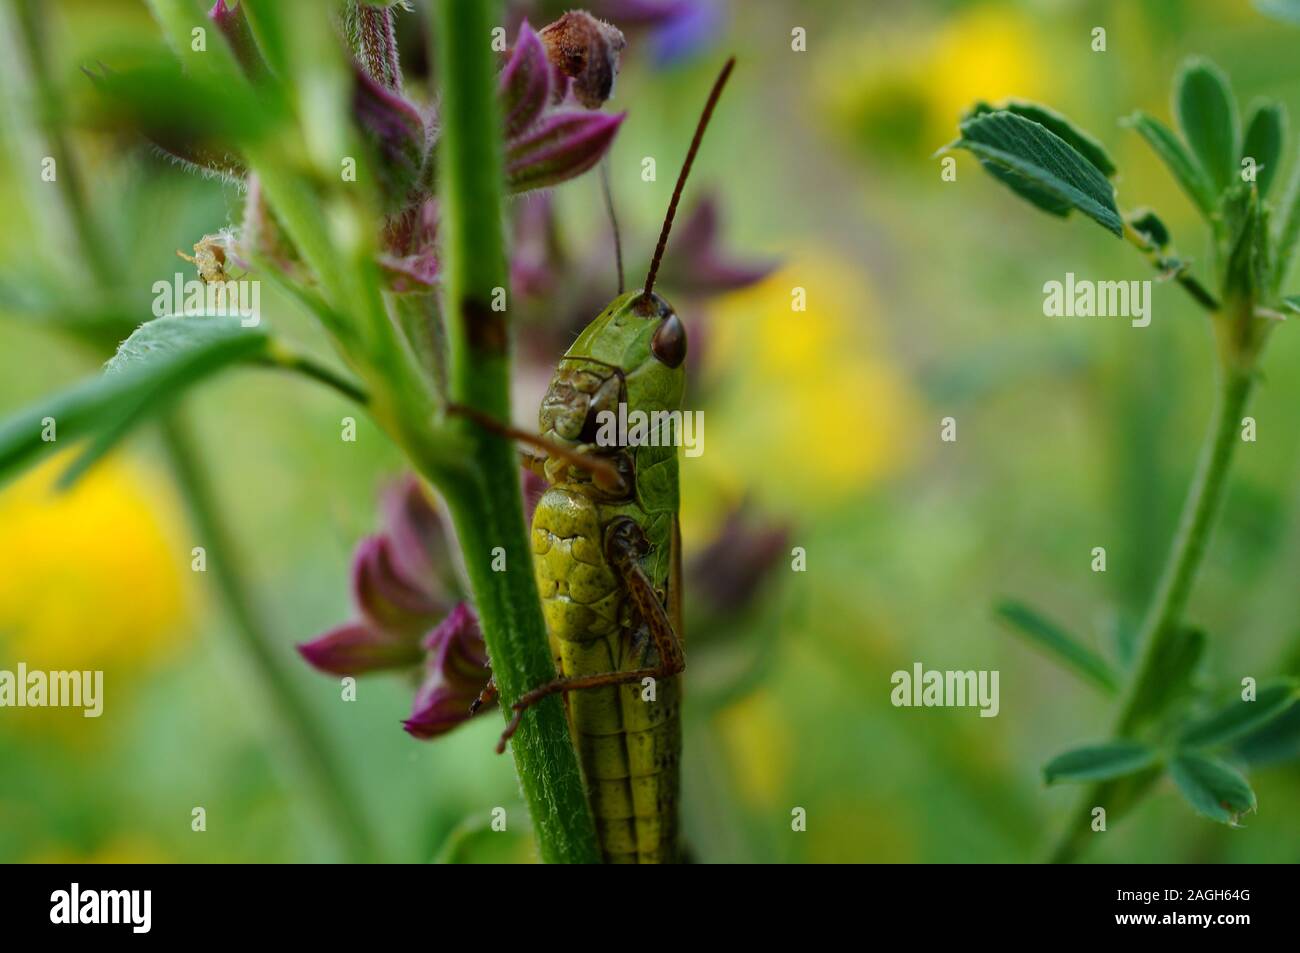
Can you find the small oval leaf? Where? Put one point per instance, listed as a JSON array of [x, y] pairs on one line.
[[1176, 158], [1101, 762], [1241, 717], [1040, 166], [1207, 115], [1213, 788], [1265, 133]]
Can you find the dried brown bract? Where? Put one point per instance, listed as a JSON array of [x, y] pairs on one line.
[[587, 51]]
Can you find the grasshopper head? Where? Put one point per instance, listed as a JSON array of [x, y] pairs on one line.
[[632, 353]]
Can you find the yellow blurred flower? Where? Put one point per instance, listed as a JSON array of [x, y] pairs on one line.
[[120, 850], [96, 576], [809, 407], [756, 735], [910, 87]]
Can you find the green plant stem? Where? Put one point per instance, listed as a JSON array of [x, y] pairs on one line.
[[485, 502], [296, 720], [1185, 278], [1165, 613]]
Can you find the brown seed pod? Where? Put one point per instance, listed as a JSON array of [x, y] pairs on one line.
[[587, 51]]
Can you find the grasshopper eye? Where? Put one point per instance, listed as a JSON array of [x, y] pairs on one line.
[[669, 342]]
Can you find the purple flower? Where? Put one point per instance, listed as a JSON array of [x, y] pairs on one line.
[[697, 265], [548, 141], [545, 143], [455, 673], [678, 28], [396, 133], [729, 571], [399, 587], [563, 145], [409, 617]]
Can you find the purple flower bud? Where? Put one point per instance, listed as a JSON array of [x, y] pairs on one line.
[[561, 146], [696, 263], [230, 20], [373, 40], [678, 27], [386, 598], [456, 673], [420, 547], [728, 572], [355, 648], [587, 51], [395, 130], [525, 83], [642, 13]]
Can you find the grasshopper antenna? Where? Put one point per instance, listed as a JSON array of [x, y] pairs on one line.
[[686, 171], [613, 221]]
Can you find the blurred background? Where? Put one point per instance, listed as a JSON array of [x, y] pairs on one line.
[[924, 300]]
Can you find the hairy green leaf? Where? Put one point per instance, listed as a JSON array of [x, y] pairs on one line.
[[1212, 787], [1176, 158], [1090, 148], [1148, 224], [1059, 643], [1265, 133], [157, 363], [1102, 762], [1040, 166]]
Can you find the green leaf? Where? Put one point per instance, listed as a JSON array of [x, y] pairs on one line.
[[1102, 762], [1265, 133], [1241, 717], [1172, 674], [1173, 153], [1292, 303], [1277, 741], [1054, 122], [1207, 115], [1212, 787], [1148, 224], [1047, 635], [157, 363], [1040, 166]]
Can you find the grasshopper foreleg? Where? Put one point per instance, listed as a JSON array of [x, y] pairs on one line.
[[624, 543], [485, 697]]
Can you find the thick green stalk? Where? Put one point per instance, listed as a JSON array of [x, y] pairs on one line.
[[486, 504], [296, 720], [1164, 616]]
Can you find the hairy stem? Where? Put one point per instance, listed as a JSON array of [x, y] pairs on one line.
[[1165, 613], [486, 504], [1185, 278], [297, 721]]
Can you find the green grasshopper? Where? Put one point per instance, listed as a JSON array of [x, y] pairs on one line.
[[607, 555]]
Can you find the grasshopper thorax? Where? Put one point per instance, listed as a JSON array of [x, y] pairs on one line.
[[629, 358]]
